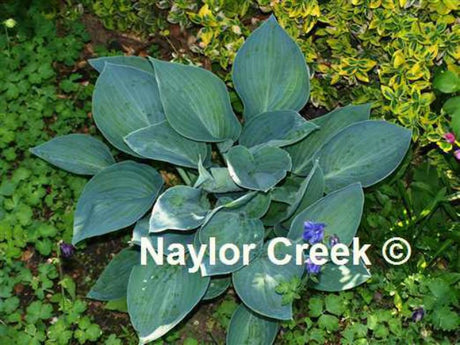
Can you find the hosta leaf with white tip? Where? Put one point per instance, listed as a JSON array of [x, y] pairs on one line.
[[115, 198], [77, 153], [256, 284], [339, 278], [259, 168], [132, 61], [364, 152], [160, 296], [230, 227], [341, 211], [113, 282], [161, 142], [270, 72], [125, 99], [248, 328], [330, 124], [275, 128], [179, 208], [196, 102]]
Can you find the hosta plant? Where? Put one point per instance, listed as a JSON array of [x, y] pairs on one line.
[[248, 180]]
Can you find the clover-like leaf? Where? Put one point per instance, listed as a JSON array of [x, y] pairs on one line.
[[115, 198], [364, 152], [276, 128], [77, 153], [259, 168], [269, 71], [179, 208], [161, 142], [196, 102], [125, 99]]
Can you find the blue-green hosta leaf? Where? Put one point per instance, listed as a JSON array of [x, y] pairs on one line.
[[217, 287], [196, 102], [330, 124], [340, 210], [217, 180], [256, 284], [310, 190], [160, 296], [255, 206], [287, 190], [339, 278], [364, 152], [132, 61], [77, 153], [125, 99], [113, 282], [115, 198], [259, 168], [248, 328], [275, 214], [179, 208], [230, 227], [169, 237], [270, 72], [161, 142], [275, 128]]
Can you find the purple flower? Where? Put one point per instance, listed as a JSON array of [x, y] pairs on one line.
[[311, 267], [67, 249], [418, 314], [333, 240], [313, 232], [457, 154], [449, 137]]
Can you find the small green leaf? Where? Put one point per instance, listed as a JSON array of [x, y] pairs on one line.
[[217, 180], [446, 82]]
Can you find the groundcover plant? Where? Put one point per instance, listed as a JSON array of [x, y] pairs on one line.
[[277, 175]]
